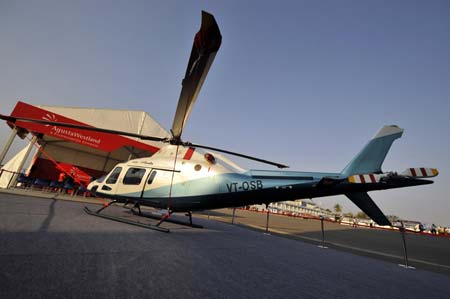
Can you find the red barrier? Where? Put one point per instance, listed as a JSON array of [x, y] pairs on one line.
[[311, 217]]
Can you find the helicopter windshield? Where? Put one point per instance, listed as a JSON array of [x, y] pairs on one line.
[[112, 179]]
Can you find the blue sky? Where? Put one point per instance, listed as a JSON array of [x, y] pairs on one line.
[[306, 83]]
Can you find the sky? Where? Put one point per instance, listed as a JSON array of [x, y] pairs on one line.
[[306, 83]]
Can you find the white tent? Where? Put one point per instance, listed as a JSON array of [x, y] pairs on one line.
[[10, 169], [138, 122], [96, 153]]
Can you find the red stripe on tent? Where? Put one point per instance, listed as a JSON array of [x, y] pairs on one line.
[[362, 179], [372, 178], [98, 140], [189, 153], [413, 172], [423, 171]]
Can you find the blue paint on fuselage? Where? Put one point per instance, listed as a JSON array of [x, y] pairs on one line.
[[230, 183], [201, 194]]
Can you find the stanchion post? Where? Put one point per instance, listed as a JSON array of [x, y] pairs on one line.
[[323, 233], [267, 219], [234, 213], [405, 251]]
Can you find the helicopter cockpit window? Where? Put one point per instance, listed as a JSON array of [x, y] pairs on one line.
[[152, 177], [112, 179], [101, 179], [133, 176]]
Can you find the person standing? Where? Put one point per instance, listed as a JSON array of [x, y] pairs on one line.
[[61, 179]]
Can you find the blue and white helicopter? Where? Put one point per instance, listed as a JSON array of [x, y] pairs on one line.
[[183, 177]]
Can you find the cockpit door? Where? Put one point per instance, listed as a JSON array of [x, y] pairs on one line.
[[157, 184], [111, 182], [133, 182]]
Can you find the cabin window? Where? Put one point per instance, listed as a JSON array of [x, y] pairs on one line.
[[151, 177], [104, 187], [133, 176], [112, 179], [101, 179]]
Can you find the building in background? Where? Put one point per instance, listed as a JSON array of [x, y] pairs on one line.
[[301, 207]]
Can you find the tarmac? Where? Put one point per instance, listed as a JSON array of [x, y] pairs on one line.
[[424, 251], [50, 248]]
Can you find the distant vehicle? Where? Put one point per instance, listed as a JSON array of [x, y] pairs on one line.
[[365, 222], [412, 225]]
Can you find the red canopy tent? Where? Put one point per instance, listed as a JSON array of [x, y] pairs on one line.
[[91, 153]]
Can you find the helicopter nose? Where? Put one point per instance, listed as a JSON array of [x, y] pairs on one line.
[[92, 188]]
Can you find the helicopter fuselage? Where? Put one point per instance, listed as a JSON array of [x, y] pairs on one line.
[[198, 181]]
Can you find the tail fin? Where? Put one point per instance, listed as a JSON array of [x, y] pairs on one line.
[[368, 206], [370, 158]]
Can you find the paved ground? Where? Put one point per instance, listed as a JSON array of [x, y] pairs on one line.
[[424, 251], [51, 248]]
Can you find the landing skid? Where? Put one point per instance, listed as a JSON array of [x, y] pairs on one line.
[[124, 220], [171, 220], [163, 218]]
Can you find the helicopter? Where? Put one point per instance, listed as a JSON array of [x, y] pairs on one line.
[[185, 177]]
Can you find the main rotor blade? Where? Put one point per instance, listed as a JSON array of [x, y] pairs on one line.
[[206, 44], [81, 127], [235, 154], [13, 119]]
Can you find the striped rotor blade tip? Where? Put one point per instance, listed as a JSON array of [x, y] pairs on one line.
[[421, 172]]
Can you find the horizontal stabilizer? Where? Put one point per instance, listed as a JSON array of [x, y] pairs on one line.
[[420, 172], [368, 206], [364, 178], [416, 173]]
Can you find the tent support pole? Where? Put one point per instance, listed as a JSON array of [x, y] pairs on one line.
[[13, 180], [106, 161], [8, 145], [130, 156]]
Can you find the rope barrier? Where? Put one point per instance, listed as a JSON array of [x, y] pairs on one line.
[[312, 217]]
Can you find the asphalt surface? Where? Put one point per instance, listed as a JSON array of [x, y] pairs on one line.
[[424, 251], [52, 249]]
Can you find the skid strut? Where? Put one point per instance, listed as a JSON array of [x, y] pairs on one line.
[[122, 219], [165, 218]]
